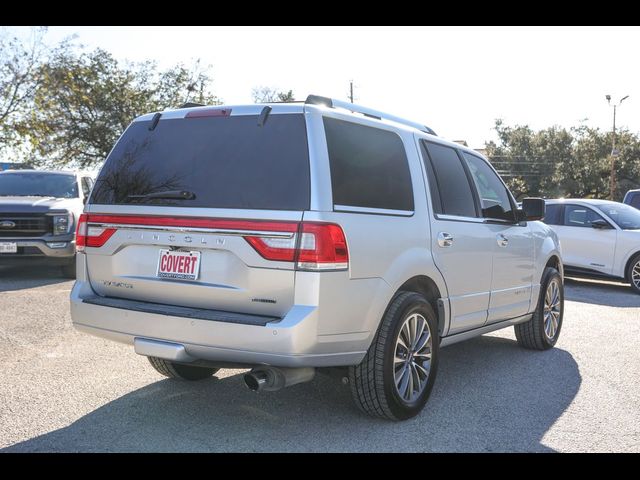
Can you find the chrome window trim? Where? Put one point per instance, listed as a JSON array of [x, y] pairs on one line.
[[379, 211], [456, 218]]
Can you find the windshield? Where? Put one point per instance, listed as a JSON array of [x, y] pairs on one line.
[[58, 185], [626, 217]]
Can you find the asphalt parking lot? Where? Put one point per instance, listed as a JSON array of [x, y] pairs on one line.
[[61, 390]]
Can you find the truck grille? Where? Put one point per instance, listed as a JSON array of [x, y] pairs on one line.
[[24, 225]]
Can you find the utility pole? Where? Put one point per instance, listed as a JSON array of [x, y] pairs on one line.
[[351, 91], [614, 151]]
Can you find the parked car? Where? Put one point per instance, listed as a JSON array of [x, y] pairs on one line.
[[632, 198], [600, 238], [38, 214], [289, 238]]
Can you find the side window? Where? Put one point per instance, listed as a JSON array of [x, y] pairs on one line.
[[552, 215], [635, 201], [579, 216], [494, 199], [452, 194], [369, 167]]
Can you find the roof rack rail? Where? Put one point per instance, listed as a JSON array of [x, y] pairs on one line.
[[191, 104], [369, 112]]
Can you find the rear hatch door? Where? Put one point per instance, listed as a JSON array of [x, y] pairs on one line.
[[183, 204]]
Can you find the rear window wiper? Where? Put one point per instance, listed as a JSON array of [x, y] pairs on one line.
[[169, 194]]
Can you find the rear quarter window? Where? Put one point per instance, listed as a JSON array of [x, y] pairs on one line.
[[369, 167]]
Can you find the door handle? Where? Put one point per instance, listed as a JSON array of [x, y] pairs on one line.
[[502, 240], [445, 239]]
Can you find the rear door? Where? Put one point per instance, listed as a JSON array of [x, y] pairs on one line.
[[216, 188], [461, 243]]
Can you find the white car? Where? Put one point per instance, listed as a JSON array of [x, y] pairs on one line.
[[599, 238]]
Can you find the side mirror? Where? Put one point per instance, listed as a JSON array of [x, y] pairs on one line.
[[533, 209], [600, 224]]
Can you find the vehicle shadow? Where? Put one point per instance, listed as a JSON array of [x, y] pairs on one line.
[[490, 395], [604, 293], [20, 277]]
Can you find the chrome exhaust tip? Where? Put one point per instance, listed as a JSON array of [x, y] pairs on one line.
[[256, 381], [271, 379]]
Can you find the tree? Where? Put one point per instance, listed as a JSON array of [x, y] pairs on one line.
[[19, 68], [83, 102], [556, 162], [270, 94]]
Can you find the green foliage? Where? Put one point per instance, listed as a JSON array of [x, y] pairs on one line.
[[270, 94], [556, 162], [83, 103], [19, 62]]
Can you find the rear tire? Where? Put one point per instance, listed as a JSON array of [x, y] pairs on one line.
[[396, 376], [180, 370], [634, 273], [69, 270], [543, 330]]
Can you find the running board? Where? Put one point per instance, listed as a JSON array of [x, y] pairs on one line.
[[460, 337]]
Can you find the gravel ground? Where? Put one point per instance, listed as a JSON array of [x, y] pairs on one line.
[[61, 390]]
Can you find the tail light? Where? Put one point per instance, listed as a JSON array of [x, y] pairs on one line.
[[312, 246], [321, 246], [91, 236]]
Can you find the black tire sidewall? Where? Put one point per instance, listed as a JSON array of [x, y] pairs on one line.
[[193, 373], [400, 409], [550, 274]]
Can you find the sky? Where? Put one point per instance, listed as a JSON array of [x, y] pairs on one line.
[[457, 80]]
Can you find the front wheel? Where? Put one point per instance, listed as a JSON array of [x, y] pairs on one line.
[[396, 376], [543, 330], [634, 273]]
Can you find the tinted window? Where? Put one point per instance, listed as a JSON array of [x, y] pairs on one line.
[[369, 167], [635, 200], [34, 184], [579, 216], [227, 162], [494, 199], [552, 215], [453, 188]]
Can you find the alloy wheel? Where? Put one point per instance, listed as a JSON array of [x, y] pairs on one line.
[[412, 357], [552, 309], [635, 275]]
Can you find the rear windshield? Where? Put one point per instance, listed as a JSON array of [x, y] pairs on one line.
[[58, 185], [221, 162]]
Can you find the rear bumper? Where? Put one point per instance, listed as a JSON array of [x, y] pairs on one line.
[[290, 342], [293, 341]]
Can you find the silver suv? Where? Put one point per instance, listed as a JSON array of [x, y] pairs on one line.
[[291, 238]]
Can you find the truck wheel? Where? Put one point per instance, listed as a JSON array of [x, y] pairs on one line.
[[69, 270], [634, 273], [395, 378], [180, 370], [543, 330]]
